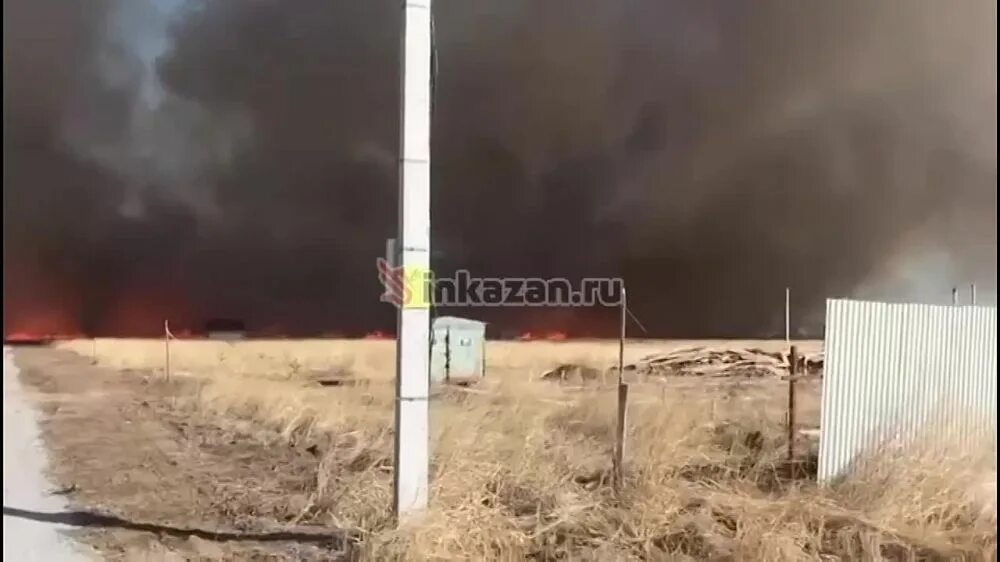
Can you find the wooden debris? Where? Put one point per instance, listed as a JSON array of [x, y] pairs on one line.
[[747, 363], [572, 373]]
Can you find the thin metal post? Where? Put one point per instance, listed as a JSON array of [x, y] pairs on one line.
[[166, 349], [617, 464], [410, 478], [972, 294], [788, 315], [621, 339]]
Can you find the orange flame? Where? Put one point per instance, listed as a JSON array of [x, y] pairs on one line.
[[546, 336]]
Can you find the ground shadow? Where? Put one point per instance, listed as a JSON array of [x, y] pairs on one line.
[[328, 538]]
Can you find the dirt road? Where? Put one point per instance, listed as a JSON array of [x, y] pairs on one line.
[[148, 477], [26, 497]]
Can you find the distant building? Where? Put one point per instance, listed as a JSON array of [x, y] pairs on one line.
[[225, 329], [458, 350]]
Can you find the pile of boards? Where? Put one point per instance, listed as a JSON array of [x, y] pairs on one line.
[[714, 362]]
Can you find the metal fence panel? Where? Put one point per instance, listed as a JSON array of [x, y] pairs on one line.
[[892, 368]]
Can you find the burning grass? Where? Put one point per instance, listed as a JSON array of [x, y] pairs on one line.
[[520, 467]]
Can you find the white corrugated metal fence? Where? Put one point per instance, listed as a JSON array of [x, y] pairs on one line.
[[891, 368]]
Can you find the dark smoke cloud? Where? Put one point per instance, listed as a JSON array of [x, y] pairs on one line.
[[63, 232], [709, 152]]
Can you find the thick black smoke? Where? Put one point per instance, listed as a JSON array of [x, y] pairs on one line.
[[711, 153], [67, 247]]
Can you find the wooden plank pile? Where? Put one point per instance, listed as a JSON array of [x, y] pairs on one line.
[[708, 362]]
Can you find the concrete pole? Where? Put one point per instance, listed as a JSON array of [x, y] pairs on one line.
[[413, 321]]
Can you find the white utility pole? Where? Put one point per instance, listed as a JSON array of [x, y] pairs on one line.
[[413, 325]]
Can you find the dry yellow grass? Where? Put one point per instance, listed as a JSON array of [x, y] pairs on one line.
[[374, 356], [519, 466]]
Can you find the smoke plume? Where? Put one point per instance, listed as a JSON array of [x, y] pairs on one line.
[[238, 159]]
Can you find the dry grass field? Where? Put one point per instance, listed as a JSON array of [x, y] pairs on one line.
[[520, 466]]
